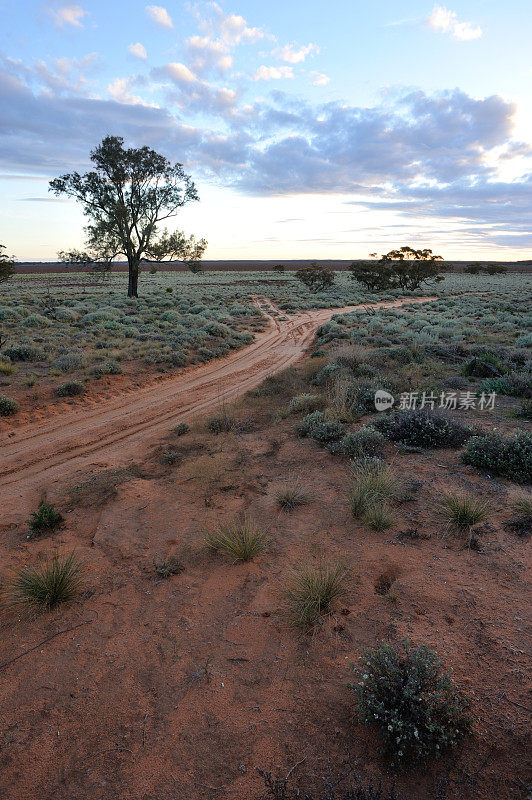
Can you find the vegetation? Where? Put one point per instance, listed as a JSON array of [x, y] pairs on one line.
[[375, 486], [241, 540], [291, 495], [127, 194], [166, 567], [181, 429], [8, 406], [70, 389], [312, 591], [6, 264], [47, 584], [424, 428], [316, 278], [405, 268], [403, 693], [45, 519], [279, 788], [510, 457], [462, 511]]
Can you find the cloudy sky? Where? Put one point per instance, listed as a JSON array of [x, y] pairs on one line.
[[312, 129]]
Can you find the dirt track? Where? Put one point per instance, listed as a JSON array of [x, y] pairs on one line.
[[112, 433]]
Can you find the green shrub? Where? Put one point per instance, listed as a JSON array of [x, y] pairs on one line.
[[326, 374], [24, 352], [8, 407], [365, 442], [305, 403], [317, 427], [68, 361], [181, 429], [415, 707], [510, 457], [497, 385], [69, 389], [525, 410], [45, 519], [241, 540], [166, 567], [423, 428], [48, 584], [311, 592]]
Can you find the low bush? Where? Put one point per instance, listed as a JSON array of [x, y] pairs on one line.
[[166, 567], [414, 705], [69, 389], [312, 591], [6, 368], [181, 429], [316, 426], [462, 511], [69, 361], [45, 519], [424, 428], [48, 584], [326, 374], [242, 540], [521, 523], [510, 457], [305, 403], [8, 406], [24, 352], [525, 410], [363, 443], [222, 422]]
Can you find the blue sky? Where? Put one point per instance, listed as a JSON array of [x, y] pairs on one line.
[[312, 130]]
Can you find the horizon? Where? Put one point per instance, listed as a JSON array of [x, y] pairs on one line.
[[310, 135]]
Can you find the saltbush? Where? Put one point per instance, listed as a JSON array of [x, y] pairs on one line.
[[414, 705], [69, 389], [305, 403], [317, 427], [424, 428], [365, 442], [8, 407], [24, 352], [510, 457]]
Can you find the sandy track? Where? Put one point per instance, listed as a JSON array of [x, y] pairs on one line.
[[112, 433]]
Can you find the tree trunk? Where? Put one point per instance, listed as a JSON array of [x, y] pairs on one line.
[[133, 265]]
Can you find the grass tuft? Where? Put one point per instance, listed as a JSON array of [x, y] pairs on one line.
[[311, 592], [374, 487], [241, 540], [47, 584], [462, 511], [291, 495]]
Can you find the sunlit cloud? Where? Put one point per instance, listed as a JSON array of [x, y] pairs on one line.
[[68, 15], [319, 78], [446, 21], [295, 54], [138, 50], [273, 73], [160, 16]]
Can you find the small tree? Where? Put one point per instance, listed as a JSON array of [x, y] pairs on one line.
[[6, 264], [404, 268], [279, 268], [127, 195], [316, 278]]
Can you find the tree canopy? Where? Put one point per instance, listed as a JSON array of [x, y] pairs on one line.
[[6, 264], [316, 278], [127, 195], [405, 268]]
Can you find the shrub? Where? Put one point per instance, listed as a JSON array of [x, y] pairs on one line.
[[486, 367], [525, 410], [315, 426], [110, 367], [522, 522], [166, 567], [364, 442], [311, 592], [414, 706], [497, 385], [8, 407], [68, 361], [326, 374], [69, 389], [305, 403], [6, 368], [462, 511], [222, 422], [243, 540], [45, 519], [24, 352], [510, 457], [291, 495], [424, 428], [181, 429], [48, 584]]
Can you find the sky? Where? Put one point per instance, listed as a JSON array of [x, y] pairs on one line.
[[312, 129]]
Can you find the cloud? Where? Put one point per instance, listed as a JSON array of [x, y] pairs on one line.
[[60, 75], [120, 90], [446, 21], [222, 34], [194, 94], [138, 50], [295, 54], [68, 15], [160, 16], [273, 73], [319, 79], [206, 54], [180, 73]]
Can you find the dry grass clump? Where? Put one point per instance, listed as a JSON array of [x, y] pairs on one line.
[[291, 494], [47, 584], [242, 540], [462, 511], [311, 592], [374, 487]]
